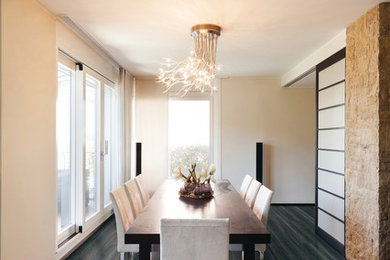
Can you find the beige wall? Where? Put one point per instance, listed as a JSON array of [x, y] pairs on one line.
[[259, 110], [151, 129], [252, 110], [28, 99]]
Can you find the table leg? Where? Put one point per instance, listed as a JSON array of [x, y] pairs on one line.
[[144, 251], [249, 251]]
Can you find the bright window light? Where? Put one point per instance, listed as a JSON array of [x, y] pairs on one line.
[[65, 174], [91, 151], [189, 133]]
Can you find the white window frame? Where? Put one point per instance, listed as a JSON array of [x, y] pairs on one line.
[[215, 123], [78, 150], [114, 91], [67, 64], [104, 210], [216, 129], [98, 164]]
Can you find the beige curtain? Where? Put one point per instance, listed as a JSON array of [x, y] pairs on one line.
[[126, 89]]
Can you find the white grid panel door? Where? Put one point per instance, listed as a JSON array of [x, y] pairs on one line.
[[330, 191]]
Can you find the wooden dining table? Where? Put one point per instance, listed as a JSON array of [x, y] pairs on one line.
[[245, 227]]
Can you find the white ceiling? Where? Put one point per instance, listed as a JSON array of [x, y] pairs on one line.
[[259, 37]]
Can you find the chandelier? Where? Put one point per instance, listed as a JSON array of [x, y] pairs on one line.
[[197, 71]]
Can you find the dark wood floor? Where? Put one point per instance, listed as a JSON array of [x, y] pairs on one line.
[[291, 227], [293, 237]]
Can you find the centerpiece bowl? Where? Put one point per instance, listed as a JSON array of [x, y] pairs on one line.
[[197, 187], [201, 191]]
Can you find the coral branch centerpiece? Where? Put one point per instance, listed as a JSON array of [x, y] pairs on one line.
[[196, 187]]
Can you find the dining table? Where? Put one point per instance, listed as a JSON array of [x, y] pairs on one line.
[[245, 227]]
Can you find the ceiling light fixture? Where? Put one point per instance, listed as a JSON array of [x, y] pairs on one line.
[[196, 72]]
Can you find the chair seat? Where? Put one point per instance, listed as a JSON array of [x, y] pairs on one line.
[[128, 248]]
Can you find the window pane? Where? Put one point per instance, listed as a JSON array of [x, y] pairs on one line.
[[65, 178], [91, 154], [189, 133], [111, 135]]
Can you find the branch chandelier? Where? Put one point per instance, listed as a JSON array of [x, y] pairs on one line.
[[196, 72]]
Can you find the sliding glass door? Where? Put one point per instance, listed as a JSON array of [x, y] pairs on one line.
[[111, 142], [101, 145], [88, 147], [66, 220], [92, 141]]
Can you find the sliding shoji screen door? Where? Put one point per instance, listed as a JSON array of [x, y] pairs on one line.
[[330, 192]]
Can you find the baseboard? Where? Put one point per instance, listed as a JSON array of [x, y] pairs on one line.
[[293, 204], [331, 241]]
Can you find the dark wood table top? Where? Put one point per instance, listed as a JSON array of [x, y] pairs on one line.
[[245, 227]]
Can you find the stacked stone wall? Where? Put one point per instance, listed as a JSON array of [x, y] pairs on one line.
[[367, 158]]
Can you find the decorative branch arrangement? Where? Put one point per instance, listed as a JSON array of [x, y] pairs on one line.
[[194, 186]]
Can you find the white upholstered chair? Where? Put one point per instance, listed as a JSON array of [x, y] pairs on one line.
[[245, 185], [251, 194], [263, 204], [134, 196], [261, 209], [144, 194], [206, 239], [123, 218]]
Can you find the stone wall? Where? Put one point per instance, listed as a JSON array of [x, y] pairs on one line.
[[367, 161], [384, 131]]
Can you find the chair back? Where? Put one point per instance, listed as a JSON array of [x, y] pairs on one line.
[[206, 239], [245, 185], [134, 196], [123, 214], [262, 204], [141, 185], [251, 194]]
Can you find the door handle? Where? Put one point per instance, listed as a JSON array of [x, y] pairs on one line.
[[105, 146]]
